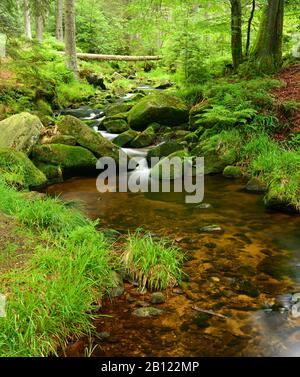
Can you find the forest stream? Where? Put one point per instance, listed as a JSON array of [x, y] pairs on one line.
[[245, 276]]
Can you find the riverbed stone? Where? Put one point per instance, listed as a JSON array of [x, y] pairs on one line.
[[211, 229], [164, 149], [117, 108], [256, 185], [157, 298], [65, 156], [232, 172], [175, 172], [116, 126], [125, 138], [145, 138], [87, 138], [118, 285], [147, 312], [157, 107], [17, 170], [21, 132]]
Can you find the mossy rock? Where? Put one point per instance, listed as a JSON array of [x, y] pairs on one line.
[[256, 185], [52, 172], [44, 107], [67, 157], [176, 171], [218, 152], [21, 132], [164, 149], [60, 139], [124, 139], [145, 138], [18, 171], [117, 116], [281, 198], [117, 108], [87, 138], [233, 172], [116, 126], [160, 108]]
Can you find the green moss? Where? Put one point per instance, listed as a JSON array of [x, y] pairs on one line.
[[164, 149], [160, 108], [87, 138], [44, 107], [232, 172], [52, 172], [63, 139], [116, 126], [125, 138], [116, 109], [17, 170], [175, 172], [65, 156], [146, 138]]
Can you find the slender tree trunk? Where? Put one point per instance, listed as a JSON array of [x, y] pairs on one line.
[[59, 20], [249, 27], [236, 33], [27, 25], [70, 41], [39, 27], [267, 52]]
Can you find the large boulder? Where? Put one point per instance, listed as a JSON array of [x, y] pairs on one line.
[[87, 138], [116, 126], [21, 132], [160, 108], [124, 139], [145, 138], [17, 170], [164, 149], [67, 157]]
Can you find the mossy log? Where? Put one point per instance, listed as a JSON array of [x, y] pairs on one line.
[[101, 57]]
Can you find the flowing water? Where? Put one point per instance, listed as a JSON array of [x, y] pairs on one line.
[[247, 274]]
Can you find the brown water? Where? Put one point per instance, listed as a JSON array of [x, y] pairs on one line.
[[239, 274]]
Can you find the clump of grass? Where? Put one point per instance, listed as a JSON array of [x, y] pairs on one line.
[[73, 92], [154, 264]]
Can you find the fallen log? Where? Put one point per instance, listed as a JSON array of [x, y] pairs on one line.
[[101, 57]]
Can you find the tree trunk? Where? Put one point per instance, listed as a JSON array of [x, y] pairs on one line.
[[70, 42], [39, 26], [59, 20], [236, 33], [267, 52], [249, 27], [27, 25]]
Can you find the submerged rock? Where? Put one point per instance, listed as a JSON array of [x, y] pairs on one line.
[[118, 285], [21, 132], [160, 108], [19, 171], [204, 206], [87, 138], [211, 229], [256, 185], [157, 298], [147, 312]]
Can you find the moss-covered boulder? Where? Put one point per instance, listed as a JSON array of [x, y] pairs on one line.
[[59, 139], [17, 170], [232, 172], [116, 126], [87, 138], [67, 157], [145, 138], [124, 139], [176, 170], [218, 151], [256, 185], [21, 132], [52, 172], [117, 108], [160, 108], [164, 149]]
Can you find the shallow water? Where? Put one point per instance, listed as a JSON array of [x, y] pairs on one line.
[[243, 274]]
